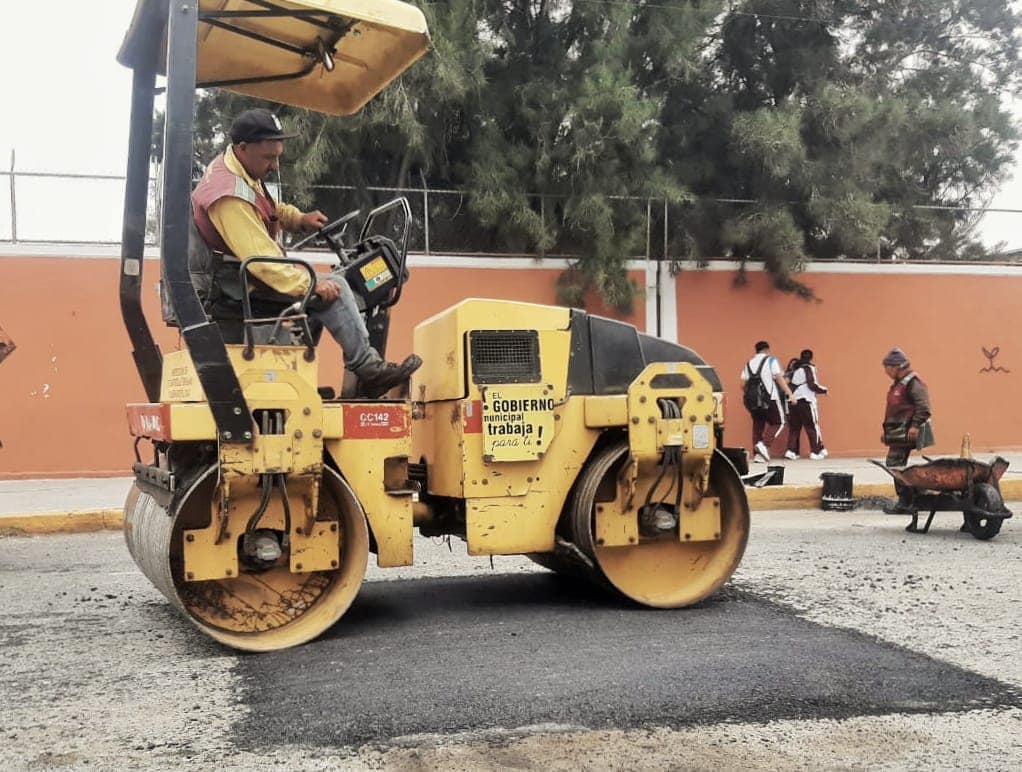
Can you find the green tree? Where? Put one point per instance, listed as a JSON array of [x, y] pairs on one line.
[[566, 148], [851, 129], [776, 130]]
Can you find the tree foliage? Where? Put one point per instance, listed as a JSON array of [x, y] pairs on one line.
[[776, 130]]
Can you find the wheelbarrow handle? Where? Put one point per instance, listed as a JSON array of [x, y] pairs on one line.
[[883, 466]]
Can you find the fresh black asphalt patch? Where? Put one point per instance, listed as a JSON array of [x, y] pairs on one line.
[[507, 651]]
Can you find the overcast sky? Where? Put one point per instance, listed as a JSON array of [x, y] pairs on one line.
[[65, 109]]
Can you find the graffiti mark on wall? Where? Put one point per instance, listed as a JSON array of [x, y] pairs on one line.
[[991, 355], [6, 345]]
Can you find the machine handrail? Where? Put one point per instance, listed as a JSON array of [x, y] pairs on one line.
[[293, 313]]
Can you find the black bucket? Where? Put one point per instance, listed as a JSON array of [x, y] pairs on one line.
[[837, 492]]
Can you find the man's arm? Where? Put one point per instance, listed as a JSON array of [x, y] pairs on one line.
[[294, 219], [811, 382], [244, 232], [780, 380], [920, 397]]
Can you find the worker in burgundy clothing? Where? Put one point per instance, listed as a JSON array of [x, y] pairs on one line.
[[805, 414], [906, 417], [236, 216]]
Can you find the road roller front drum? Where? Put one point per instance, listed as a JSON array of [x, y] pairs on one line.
[[663, 572], [260, 609]]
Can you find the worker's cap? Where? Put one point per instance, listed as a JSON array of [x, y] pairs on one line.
[[895, 358], [257, 126]]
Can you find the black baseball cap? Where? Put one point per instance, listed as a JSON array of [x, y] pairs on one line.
[[257, 126]]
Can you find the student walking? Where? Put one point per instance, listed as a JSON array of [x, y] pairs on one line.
[[763, 383], [805, 413]]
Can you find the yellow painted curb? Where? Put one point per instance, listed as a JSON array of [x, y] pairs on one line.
[[769, 497], [83, 521], [1011, 489], [806, 496]]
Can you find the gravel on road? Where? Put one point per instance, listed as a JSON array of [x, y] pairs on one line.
[[100, 673]]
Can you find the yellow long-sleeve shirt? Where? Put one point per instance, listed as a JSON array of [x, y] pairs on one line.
[[243, 230]]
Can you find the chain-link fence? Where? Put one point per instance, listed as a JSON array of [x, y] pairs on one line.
[[58, 207], [48, 207]]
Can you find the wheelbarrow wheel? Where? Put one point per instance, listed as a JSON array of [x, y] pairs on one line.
[[985, 499]]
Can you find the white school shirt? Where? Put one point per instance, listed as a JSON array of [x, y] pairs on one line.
[[800, 384], [770, 369]]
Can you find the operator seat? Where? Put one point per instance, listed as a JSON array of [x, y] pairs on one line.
[[206, 267]]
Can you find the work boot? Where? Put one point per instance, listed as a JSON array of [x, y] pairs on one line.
[[377, 378]]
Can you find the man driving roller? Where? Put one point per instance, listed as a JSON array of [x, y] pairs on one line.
[[235, 215]]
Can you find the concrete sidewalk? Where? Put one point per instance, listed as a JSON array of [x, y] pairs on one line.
[[802, 485], [89, 504]]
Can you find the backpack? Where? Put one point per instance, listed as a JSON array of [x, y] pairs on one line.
[[757, 398]]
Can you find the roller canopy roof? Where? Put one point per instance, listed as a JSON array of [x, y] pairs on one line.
[[290, 45]]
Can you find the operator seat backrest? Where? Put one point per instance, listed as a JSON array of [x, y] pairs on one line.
[[203, 264]]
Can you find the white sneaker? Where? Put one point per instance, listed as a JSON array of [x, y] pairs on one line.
[[761, 449], [818, 456], [791, 455]]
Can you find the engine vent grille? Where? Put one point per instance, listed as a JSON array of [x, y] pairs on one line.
[[505, 356]]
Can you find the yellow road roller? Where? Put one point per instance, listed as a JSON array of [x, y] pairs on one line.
[[536, 430]]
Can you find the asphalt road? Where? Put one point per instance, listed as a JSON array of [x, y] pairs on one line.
[[841, 643]]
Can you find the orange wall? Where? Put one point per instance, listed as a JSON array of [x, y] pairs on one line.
[[942, 322], [63, 391]]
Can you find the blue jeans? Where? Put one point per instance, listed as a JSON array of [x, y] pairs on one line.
[[343, 321]]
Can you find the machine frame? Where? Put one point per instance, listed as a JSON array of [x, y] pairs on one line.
[[164, 34], [531, 429]]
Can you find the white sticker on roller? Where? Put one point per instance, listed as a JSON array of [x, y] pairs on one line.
[[132, 267], [700, 436]]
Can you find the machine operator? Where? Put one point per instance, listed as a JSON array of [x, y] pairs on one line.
[[236, 216]]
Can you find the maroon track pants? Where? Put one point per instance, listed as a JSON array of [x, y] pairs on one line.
[[766, 427], [803, 415]]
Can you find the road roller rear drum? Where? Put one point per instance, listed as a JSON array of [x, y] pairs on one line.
[[264, 607]]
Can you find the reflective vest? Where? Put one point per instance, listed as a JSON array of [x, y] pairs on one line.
[[899, 404], [219, 182]]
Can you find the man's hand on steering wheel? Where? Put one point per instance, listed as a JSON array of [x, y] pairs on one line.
[[313, 221], [330, 232]]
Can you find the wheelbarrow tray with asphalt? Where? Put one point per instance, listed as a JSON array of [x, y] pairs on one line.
[[954, 485]]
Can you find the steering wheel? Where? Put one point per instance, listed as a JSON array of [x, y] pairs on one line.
[[331, 232]]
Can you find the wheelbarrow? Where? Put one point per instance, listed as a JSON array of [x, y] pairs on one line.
[[954, 485]]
